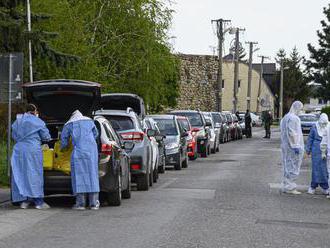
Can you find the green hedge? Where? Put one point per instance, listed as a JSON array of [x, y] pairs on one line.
[[4, 180], [326, 110]]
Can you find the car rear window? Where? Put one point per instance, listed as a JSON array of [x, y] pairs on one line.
[[229, 118], [167, 126], [308, 118], [120, 123], [195, 119], [216, 118], [185, 124]]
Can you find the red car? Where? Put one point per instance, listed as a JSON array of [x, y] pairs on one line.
[[191, 138]]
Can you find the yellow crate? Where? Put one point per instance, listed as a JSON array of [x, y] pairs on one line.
[[62, 159], [48, 159]]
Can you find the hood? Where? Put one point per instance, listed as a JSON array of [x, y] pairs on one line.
[[58, 99], [121, 101]]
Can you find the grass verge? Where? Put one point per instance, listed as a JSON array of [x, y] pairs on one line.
[[4, 179]]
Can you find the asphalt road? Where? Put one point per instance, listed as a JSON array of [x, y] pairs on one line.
[[230, 199]]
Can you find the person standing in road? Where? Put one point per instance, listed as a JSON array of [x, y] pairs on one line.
[[268, 119], [248, 121], [238, 117], [292, 148], [317, 149], [84, 159], [27, 179]]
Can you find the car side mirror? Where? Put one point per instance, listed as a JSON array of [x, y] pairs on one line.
[[208, 123], [151, 133], [128, 145], [184, 134]]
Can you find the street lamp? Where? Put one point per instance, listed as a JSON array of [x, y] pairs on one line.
[[28, 15]]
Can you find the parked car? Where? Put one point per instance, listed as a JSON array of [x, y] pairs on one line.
[[219, 126], [159, 138], [214, 133], [191, 138], [128, 126], [242, 123], [256, 120], [238, 127], [199, 124], [232, 128], [56, 100], [307, 122], [175, 141]]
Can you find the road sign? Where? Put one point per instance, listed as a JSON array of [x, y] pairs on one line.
[[16, 77]]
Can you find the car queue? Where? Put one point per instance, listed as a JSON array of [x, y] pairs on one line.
[[133, 147]]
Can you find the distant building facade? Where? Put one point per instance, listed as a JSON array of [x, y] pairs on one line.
[[198, 78]]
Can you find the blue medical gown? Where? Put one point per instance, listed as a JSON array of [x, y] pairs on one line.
[[27, 181], [319, 165], [84, 158]]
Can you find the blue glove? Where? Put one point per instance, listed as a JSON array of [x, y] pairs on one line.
[[296, 151]]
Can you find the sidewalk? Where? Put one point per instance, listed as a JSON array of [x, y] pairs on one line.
[[4, 195]]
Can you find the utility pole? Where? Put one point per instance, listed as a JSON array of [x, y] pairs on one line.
[[251, 44], [220, 34], [28, 13], [281, 89], [260, 80], [236, 69]]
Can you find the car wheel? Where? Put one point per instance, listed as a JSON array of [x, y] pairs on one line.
[[185, 163], [178, 165], [155, 176], [114, 198], [143, 182], [126, 194], [208, 150], [151, 177]]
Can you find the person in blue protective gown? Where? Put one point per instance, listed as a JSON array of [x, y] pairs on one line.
[[319, 163], [84, 159], [27, 181], [292, 148]]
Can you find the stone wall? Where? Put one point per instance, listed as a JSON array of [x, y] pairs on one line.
[[198, 76]]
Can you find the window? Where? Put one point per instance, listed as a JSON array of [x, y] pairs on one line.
[[239, 84], [223, 83], [120, 123]]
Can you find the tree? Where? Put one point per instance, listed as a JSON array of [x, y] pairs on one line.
[[295, 81], [319, 63], [14, 36]]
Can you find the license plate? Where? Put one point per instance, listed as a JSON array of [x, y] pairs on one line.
[[306, 128]]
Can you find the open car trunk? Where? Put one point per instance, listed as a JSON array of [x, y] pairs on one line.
[[121, 101], [56, 100]]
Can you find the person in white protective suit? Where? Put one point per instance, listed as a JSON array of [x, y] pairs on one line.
[[325, 148], [292, 147]]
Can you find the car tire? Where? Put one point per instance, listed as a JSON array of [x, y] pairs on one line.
[[155, 176], [143, 182], [114, 198], [151, 177], [185, 163], [178, 165], [126, 194]]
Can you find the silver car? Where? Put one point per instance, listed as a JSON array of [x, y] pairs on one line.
[[214, 133]]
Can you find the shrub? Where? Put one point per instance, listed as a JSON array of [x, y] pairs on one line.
[[326, 110]]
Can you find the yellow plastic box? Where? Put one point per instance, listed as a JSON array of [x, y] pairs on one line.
[[48, 159], [62, 159]]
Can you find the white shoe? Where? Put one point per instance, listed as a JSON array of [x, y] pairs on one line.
[[96, 207], [80, 208], [293, 192], [311, 191], [328, 196], [325, 191], [25, 205], [43, 206]]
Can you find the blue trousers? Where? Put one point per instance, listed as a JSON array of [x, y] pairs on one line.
[[36, 201], [324, 186], [92, 198]]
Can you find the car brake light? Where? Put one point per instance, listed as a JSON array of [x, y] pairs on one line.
[[136, 136], [136, 167], [106, 149]]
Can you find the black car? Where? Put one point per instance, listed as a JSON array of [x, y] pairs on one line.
[[176, 144], [200, 127], [56, 101]]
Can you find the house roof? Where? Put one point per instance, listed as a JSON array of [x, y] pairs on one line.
[[269, 68]]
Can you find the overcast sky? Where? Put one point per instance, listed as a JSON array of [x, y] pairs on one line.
[[274, 24]]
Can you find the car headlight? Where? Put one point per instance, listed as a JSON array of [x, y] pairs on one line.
[[172, 146]]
